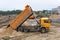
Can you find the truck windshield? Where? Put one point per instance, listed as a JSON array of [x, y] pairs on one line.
[[46, 21]]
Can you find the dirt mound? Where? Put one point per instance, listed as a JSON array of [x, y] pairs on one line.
[[6, 31]]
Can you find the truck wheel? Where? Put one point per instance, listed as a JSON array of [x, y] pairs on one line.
[[43, 30], [20, 29], [26, 30]]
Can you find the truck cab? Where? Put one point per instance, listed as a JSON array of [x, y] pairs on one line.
[[45, 24]]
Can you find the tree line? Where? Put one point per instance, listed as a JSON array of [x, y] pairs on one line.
[[10, 12], [39, 13]]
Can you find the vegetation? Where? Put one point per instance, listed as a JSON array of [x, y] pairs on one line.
[[39, 13], [6, 38], [10, 12], [43, 13]]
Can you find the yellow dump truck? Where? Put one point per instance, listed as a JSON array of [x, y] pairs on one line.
[[42, 26]]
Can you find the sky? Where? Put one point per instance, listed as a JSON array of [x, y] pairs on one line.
[[35, 4]]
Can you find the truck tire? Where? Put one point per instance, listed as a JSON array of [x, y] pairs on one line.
[[20, 29], [26, 30], [43, 30]]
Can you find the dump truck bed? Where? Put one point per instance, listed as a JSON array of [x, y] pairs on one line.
[[21, 17]]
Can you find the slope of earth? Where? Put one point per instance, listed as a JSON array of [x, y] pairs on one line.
[[53, 34]]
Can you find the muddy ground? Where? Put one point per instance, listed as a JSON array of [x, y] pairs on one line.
[[53, 34]]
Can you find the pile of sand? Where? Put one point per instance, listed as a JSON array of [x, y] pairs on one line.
[[6, 31]]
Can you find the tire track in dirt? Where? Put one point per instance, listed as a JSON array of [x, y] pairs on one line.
[[25, 35]]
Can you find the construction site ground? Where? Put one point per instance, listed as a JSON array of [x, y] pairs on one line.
[[53, 34]]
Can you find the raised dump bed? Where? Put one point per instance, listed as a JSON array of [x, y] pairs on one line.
[[21, 17]]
